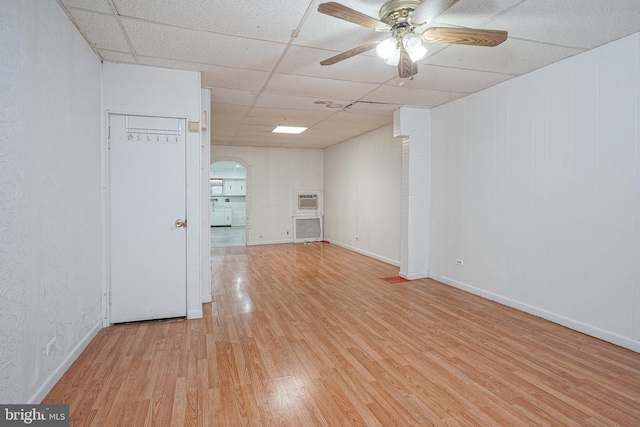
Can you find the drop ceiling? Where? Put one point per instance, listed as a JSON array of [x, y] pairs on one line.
[[261, 59]]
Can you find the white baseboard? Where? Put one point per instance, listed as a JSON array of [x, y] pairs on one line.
[[206, 298], [574, 324], [195, 314], [66, 363], [369, 254], [414, 276], [269, 242]]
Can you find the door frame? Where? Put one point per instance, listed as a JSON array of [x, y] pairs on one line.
[[193, 211], [247, 167]]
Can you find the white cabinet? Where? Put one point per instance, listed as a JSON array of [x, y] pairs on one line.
[[235, 187], [220, 217]]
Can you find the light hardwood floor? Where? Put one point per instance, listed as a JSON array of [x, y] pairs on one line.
[[309, 335]]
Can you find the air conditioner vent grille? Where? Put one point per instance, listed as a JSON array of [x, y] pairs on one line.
[[307, 201], [307, 229]]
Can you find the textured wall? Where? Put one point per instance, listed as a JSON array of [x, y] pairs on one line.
[[50, 184], [13, 204], [536, 187], [362, 179]]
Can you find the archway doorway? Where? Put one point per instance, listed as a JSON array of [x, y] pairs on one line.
[[228, 203]]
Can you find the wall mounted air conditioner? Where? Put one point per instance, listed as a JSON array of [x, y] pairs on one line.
[[307, 228], [307, 201]]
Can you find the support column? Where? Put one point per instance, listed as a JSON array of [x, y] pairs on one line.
[[414, 125]]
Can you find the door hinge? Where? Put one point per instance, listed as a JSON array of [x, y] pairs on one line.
[[109, 298]]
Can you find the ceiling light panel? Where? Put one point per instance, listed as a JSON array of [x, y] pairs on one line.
[[289, 129]]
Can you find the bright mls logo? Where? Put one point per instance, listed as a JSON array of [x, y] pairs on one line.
[[34, 415]]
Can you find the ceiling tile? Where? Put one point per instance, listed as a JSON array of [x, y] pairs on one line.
[[272, 21], [382, 108], [95, 5], [230, 109], [563, 23], [224, 131], [360, 68], [362, 121], [304, 103], [514, 56], [114, 56], [233, 96], [247, 129], [326, 32], [317, 88], [162, 41], [451, 79], [408, 96], [283, 116], [103, 30], [475, 14], [214, 75]]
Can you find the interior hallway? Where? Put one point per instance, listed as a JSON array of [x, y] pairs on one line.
[[304, 335]]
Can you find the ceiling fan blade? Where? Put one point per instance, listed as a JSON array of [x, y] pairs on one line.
[[430, 10], [467, 36], [349, 53], [343, 12], [406, 67]]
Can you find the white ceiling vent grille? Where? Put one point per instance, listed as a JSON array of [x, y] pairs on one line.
[[307, 229]]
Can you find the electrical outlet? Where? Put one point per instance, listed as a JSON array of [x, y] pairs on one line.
[[459, 262], [51, 346], [261, 235]]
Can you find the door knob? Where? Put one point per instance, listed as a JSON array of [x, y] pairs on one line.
[[180, 223]]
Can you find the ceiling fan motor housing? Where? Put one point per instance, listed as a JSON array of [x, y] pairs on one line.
[[398, 11]]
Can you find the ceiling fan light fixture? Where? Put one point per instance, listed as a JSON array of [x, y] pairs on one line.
[[411, 41], [385, 48], [394, 59], [417, 53]]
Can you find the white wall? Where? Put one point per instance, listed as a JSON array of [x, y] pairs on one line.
[[536, 186], [272, 176], [50, 197], [362, 194], [171, 93]]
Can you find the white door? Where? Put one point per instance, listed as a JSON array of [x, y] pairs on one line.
[[147, 207]]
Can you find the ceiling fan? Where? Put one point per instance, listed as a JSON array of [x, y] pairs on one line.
[[404, 19]]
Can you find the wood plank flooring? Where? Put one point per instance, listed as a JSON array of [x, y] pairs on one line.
[[309, 335]]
